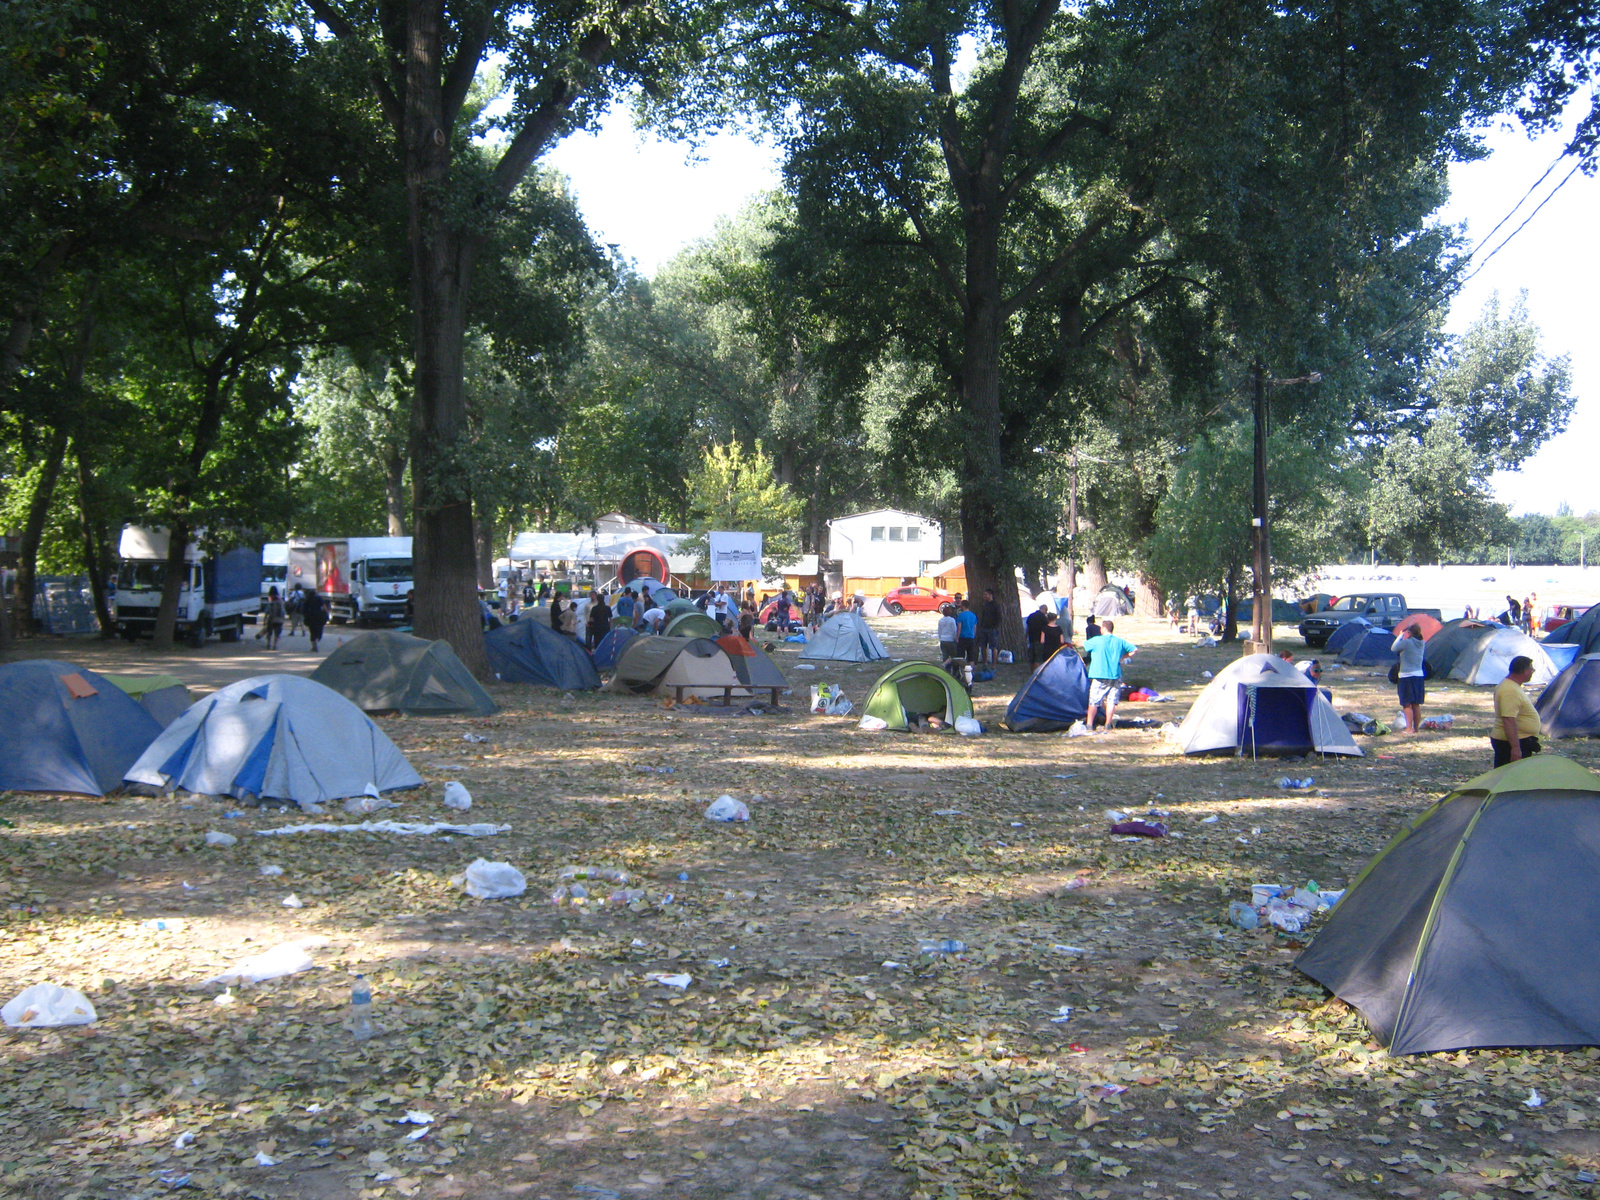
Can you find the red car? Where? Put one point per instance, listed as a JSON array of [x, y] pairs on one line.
[[916, 599], [1562, 614]]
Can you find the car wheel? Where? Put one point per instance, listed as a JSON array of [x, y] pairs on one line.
[[895, 608]]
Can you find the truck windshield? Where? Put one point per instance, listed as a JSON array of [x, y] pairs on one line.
[[1348, 604], [271, 575], [388, 570], [141, 576]]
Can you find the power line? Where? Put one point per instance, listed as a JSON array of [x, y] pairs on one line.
[[1575, 168]]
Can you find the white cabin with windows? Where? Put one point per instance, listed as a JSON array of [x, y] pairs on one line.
[[885, 544]]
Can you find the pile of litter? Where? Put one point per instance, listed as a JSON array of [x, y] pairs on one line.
[[1288, 909]]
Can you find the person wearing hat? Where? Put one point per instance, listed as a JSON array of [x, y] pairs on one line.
[[1515, 734]]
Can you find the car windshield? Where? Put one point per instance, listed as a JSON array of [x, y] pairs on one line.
[[388, 570], [141, 576]]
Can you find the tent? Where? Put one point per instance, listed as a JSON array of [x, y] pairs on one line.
[[917, 688], [693, 623], [1351, 631], [663, 664], [1111, 601], [1425, 625], [1484, 662], [1284, 612], [532, 652], [610, 647], [1318, 602], [67, 729], [845, 637], [1467, 929], [164, 697], [1445, 646], [1374, 648], [386, 671], [1570, 706], [752, 666], [1056, 695], [280, 737], [1261, 705], [678, 606], [1585, 631]]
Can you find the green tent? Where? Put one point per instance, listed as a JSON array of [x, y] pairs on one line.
[[164, 697], [693, 623], [385, 671], [1468, 929], [917, 688], [679, 606]]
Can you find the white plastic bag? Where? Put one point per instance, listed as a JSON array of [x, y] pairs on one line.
[[968, 727], [1078, 729], [491, 880], [288, 959], [456, 796], [46, 1005], [726, 808], [368, 804], [216, 838], [873, 724]]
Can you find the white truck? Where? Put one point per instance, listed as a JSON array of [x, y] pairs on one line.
[[274, 571], [216, 594], [364, 579]]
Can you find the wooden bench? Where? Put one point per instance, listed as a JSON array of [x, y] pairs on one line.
[[727, 692]]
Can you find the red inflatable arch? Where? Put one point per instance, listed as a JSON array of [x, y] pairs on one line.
[[637, 564]]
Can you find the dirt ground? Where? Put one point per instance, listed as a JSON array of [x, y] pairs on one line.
[[815, 1053]]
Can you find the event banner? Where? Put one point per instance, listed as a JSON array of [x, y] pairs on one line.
[[735, 556]]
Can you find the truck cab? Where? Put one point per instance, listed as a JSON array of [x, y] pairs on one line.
[[215, 595], [364, 579]]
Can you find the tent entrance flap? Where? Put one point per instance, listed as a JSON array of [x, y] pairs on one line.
[[1275, 720], [924, 694]]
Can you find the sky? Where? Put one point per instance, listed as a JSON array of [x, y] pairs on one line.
[[650, 199]]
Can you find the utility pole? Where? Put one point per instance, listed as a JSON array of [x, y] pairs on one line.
[[1072, 551]]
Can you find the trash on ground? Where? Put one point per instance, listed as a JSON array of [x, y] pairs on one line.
[[968, 727], [46, 1006], [1137, 828], [941, 946], [1063, 948], [263, 1159], [164, 924], [947, 812], [1211, 820], [293, 901], [487, 880], [1064, 1013], [401, 827], [1441, 721], [456, 796], [655, 770], [183, 1140], [679, 981], [873, 724], [1078, 729], [370, 803], [215, 838], [268, 870], [290, 958], [1290, 784], [726, 808], [804, 667], [1287, 909], [1534, 1100], [829, 699], [1242, 915], [474, 738]]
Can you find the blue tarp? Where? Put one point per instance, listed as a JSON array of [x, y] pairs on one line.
[[54, 741], [1375, 649], [610, 648], [1570, 706], [1056, 695], [532, 652]]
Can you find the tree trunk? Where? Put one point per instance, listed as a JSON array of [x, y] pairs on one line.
[[1230, 615], [33, 530], [394, 493], [93, 534], [483, 540], [1094, 575], [177, 574], [1149, 600]]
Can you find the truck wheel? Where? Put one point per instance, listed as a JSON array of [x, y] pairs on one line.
[[130, 633], [232, 632], [197, 634]]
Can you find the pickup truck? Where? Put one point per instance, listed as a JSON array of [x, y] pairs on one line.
[[1382, 609]]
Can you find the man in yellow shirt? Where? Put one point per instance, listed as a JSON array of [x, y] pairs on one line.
[[1516, 722]]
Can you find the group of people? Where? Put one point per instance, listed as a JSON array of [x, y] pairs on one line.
[[1527, 616], [1515, 732], [301, 606]]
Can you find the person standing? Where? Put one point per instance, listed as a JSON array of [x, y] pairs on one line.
[[624, 612], [1036, 623], [1516, 722], [274, 618], [967, 631], [1051, 640], [949, 635], [1106, 653], [1091, 629], [316, 617], [599, 620], [989, 629], [1411, 680], [293, 607], [556, 606]]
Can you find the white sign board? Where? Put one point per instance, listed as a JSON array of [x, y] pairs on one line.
[[735, 556]]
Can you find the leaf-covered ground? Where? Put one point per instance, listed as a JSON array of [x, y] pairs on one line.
[[799, 1062]]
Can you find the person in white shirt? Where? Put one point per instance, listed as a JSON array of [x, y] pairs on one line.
[[653, 617], [949, 634]]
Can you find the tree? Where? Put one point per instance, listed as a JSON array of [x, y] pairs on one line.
[[1430, 499], [738, 491]]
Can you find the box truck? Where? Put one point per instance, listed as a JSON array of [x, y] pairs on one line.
[[364, 579], [216, 593]]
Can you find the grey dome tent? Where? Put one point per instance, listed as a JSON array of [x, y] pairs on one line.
[[1111, 601], [67, 729], [1261, 705], [385, 671], [1570, 707], [1585, 631], [845, 637], [664, 664], [1374, 648], [281, 737], [1486, 660], [532, 652], [1443, 649], [751, 664], [1468, 929]]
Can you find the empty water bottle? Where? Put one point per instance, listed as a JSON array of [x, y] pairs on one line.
[[1291, 784], [360, 1022], [941, 946]]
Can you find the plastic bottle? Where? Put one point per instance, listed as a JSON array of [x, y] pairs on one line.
[[1291, 784], [360, 1022], [942, 946]]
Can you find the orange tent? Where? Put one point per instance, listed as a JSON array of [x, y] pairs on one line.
[[1425, 625], [734, 644]]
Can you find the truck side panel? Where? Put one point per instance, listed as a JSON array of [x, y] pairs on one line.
[[234, 575]]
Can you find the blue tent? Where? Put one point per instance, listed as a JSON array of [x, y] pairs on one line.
[[1374, 649], [532, 652], [1570, 706], [610, 648], [66, 729], [1056, 695], [1345, 634]]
